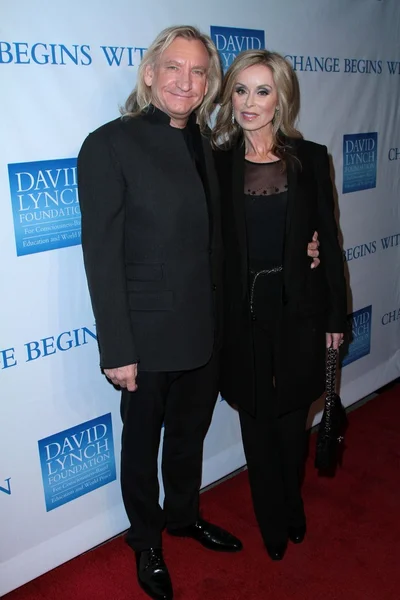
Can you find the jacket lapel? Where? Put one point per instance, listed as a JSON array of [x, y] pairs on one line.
[[292, 180], [206, 170]]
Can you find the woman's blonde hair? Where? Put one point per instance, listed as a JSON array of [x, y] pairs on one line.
[[141, 97], [226, 132]]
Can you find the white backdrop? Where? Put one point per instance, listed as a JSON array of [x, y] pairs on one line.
[[60, 425]]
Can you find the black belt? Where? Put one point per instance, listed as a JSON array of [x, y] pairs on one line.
[[255, 276]]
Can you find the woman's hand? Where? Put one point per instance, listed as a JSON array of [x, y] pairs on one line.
[[334, 340], [313, 252]]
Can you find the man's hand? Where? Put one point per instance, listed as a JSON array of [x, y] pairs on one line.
[[124, 377], [312, 250], [334, 340]]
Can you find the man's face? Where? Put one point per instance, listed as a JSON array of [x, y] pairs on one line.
[[178, 80]]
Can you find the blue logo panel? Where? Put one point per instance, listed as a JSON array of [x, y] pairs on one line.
[[231, 41], [360, 325], [360, 154], [44, 197], [77, 461]]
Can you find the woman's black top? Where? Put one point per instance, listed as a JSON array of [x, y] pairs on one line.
[[265, 189]]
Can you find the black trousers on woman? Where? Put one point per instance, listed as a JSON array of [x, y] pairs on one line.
[[183, 402], [274, 446]]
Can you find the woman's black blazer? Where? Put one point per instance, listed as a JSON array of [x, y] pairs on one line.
[[314, 300]]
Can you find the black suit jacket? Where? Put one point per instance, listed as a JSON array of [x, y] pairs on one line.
[[151, 242], [314, 299]]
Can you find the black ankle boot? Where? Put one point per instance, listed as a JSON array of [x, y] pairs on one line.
[[276, 551], [296, 534]]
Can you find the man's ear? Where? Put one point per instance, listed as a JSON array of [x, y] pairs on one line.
[[149, 75]]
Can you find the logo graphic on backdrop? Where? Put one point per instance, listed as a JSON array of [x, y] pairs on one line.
[[77, 461], [5, 486], [44, 197], [360, 325], [359, 161], [231, 41]]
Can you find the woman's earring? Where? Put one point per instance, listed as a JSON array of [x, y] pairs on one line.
[[233, 116]]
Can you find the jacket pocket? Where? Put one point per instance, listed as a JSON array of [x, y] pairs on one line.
[[151, 301], [144, 271]]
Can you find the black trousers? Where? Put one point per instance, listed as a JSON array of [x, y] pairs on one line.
[[275, 448], [183, 402]]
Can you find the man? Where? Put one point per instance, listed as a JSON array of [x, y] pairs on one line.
[[153, 259]]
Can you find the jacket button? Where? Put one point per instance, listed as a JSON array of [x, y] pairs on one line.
[[214, 287], [253, 318], [210, 251]]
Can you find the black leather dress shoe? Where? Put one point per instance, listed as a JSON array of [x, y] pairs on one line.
[[296, 534], [153, 574], [276, 551], [210, 536]]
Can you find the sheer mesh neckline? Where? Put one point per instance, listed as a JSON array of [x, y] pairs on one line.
[[264, 179]]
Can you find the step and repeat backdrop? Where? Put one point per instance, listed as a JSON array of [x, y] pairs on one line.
[[65, 69]]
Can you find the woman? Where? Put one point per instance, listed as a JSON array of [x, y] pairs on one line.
[[279, 314]]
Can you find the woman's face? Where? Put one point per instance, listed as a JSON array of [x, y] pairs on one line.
[[255, 98]]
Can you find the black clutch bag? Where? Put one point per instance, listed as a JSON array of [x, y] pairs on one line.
[[333, 424]]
